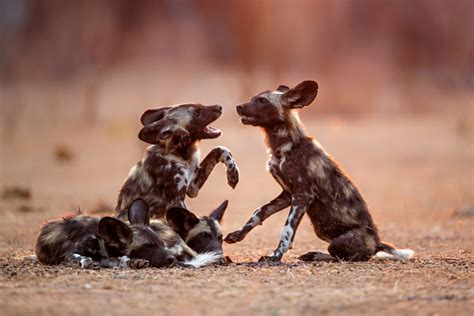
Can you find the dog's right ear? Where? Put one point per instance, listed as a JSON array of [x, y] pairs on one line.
[[152, 133], [115, 233], [181, 220], [138, 213], [153, 115], [301, 95]]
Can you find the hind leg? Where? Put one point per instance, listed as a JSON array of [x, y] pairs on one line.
[[354, 245], [317, 256]]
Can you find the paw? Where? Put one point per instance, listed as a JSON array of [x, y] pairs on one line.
[[234, 237], [269, 259], [88, 263], [136, 263], [232, 175]]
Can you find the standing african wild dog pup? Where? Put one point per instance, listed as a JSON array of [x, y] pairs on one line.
[[170, 169], [312, 183]]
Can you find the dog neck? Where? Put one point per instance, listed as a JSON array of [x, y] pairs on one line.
[[289, 131], [184, 152]]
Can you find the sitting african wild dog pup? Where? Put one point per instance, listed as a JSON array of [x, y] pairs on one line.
[[170, 169], [312, 183], [89, 242]]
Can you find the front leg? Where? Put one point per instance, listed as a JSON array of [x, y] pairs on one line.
[[298, 208], [279, 203], [79, 261], [218, 154], [124, 262]]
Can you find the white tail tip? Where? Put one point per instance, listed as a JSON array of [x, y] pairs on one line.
[[204, 259], [396, 254]]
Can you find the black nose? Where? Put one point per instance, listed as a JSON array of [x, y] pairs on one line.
[[169, 260], [239, 107], [219, 107]]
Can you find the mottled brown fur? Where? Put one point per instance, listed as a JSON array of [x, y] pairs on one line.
[[170, 169], [311, 180]]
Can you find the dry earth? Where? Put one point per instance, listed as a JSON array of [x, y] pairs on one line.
[[415, 173]]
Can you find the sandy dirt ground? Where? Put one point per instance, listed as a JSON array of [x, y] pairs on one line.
[[416, 174]]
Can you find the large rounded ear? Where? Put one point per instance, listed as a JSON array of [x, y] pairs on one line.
[[181, 136], [301, 95], [115, 233], [153, 115], [153, 133], [138, 213], [218, 213], [181, 220]]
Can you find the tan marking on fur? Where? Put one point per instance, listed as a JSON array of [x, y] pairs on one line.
[[182, 115], [316, 167], [138, 172], [54, 234], [199, 228], [347, 190]]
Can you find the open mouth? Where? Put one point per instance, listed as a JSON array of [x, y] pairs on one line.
[[211, 132], [247, 119]]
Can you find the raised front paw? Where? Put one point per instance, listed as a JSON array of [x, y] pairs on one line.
[[232, 175], [136, 263], [269, 259], [234, 237]]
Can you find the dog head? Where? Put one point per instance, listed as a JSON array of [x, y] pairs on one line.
[[137, 240], [269, 108], [180, 125], [201, 234]]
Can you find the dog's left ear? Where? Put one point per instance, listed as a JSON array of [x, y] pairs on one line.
[[153, 134], [282, 88], [181, 220], [115, 233], [301, 95], [218, 213]]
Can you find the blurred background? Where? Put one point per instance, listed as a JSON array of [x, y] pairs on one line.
[[395, 103]]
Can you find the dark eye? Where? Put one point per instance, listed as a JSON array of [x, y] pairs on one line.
[[197, 113], [165, 135], [262, 100], [206, 235]]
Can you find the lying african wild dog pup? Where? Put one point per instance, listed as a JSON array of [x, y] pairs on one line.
[[89, 242], [202, 235], [193, 242], [312, 182], [170, 169]]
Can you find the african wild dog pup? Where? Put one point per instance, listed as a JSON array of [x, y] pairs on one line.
[[201, 234], [170, 169], [312, 183], [191, 241], [90, 242]]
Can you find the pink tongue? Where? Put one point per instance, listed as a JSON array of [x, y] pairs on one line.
[[212, 132]]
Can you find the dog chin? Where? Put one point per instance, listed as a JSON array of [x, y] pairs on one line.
[[247, 120]]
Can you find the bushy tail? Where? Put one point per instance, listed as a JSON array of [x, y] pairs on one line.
[[391, 252], [204, 259]]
